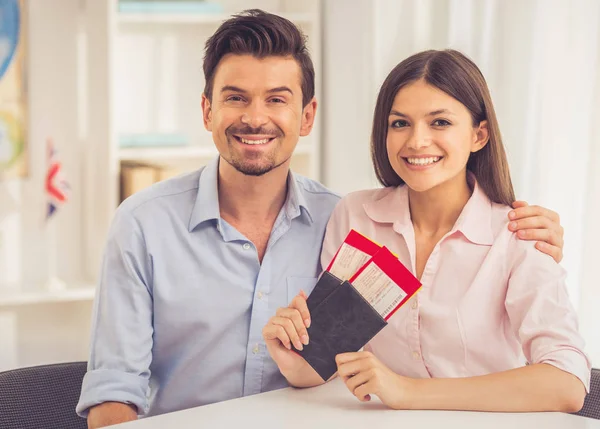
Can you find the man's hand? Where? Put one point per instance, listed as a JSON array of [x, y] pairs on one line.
[[289, 327], [110, 413], [538, 224]]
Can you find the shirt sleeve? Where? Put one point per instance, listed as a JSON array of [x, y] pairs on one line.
[[335, 233], [541, 312], [121, 339]]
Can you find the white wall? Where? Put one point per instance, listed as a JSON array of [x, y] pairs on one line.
[[52, 105], [349, 91], [589, 307], [46, 332]]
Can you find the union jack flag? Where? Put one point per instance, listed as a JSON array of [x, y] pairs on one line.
[[57, 187]]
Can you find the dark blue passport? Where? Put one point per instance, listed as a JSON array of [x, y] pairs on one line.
[[341, 321]]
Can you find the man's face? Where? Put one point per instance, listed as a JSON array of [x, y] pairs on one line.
[[256, 114]]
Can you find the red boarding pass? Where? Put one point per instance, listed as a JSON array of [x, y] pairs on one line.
[[385, 283], [354, 252]]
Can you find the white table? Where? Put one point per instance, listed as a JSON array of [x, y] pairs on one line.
[[333, 406]]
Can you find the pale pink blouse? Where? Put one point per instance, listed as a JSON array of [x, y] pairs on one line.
[[489, 302]]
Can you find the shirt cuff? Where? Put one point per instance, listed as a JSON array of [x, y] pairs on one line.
[[571, 361], [110, 385]]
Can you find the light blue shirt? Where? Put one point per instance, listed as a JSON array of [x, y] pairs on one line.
[[183, 299]]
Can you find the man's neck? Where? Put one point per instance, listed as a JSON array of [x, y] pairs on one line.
[[244, 198]]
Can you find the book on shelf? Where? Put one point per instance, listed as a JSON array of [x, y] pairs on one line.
[[136, 176]]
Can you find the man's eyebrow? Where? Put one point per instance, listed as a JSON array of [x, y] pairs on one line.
[[232, 88], [280, 89]]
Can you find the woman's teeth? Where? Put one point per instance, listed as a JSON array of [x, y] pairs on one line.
[[423, 161]]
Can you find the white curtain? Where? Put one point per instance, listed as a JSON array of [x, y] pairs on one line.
[[542, 62]]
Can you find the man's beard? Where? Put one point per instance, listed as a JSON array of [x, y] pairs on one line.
[[266, 162], [252, 169]]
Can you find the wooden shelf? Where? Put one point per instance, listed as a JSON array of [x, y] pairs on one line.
[[183, 153], [73, 294], [166, 153], [195, 18]]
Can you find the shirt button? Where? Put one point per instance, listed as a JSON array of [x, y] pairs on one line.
[[255, 349], [416, 355], [246, 246], [415, 304], [259, 295]]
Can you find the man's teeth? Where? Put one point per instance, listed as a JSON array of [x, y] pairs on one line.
[[263, 141], [423, 161]]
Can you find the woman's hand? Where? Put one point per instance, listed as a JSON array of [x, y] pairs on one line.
[[365, 375]]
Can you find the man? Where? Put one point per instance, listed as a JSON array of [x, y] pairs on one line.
[[195, 266]]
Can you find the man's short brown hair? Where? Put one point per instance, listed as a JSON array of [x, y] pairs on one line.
[[260, 34]]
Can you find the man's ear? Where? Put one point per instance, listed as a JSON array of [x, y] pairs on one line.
[[482, 136], [206, 113], [308, 117]]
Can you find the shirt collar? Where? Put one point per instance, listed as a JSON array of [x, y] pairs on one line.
[[392, 208], [296, 203], [474, 222], [206, 206]]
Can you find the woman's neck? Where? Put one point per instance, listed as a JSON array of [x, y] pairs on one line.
[[434, 212]]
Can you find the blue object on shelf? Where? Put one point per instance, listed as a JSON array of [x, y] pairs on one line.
[[10, 17], [152, 140], [181, 6]]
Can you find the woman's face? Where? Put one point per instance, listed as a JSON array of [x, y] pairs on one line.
[[430, 136]]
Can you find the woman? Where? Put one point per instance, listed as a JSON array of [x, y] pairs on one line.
[[492, 328]]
